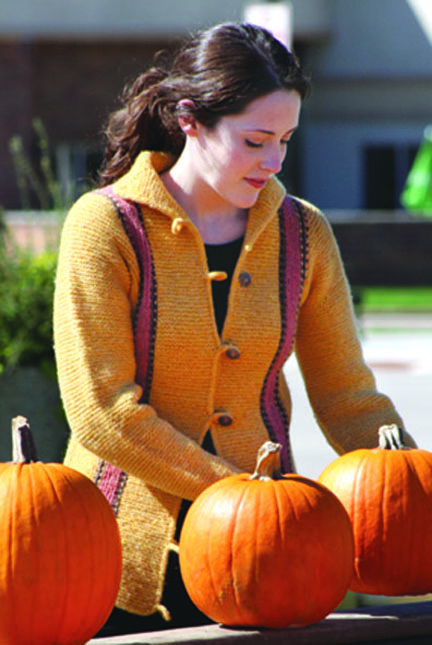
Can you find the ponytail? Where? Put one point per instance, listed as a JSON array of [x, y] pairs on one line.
[[146, 121]]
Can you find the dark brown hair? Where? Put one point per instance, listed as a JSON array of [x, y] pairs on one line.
[[221, 70]]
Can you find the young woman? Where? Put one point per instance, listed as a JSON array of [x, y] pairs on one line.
[[184, 284]]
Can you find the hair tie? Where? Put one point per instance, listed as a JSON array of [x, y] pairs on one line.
[[186, 103]]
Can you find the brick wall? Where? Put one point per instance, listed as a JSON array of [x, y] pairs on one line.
[[15, 110], [71, 86]]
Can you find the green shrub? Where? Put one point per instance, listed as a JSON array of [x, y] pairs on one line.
[[26, 301], [26, 278]]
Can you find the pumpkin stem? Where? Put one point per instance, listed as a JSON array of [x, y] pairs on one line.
[[391, 438], [24, 448], [268, 462]]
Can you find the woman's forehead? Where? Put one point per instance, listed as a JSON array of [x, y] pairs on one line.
[[270, 114]]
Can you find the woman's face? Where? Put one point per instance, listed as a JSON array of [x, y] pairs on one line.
[[237, 157]]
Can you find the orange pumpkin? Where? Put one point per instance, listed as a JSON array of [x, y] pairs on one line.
[[266, 549], [388, 496], [60, 553]]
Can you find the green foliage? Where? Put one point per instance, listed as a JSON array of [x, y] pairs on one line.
[[26, 278], [397, 299], [41, 180], [26, 300], [417, 193]]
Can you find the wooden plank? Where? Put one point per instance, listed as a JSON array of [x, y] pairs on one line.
[[368, 625]]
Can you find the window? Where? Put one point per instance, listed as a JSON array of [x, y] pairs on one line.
[[386, 167], [77, 167]]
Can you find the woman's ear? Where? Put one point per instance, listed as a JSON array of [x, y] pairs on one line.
[[186, 120]]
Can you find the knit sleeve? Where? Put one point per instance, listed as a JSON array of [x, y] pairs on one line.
[[96, 290], [340, 386]]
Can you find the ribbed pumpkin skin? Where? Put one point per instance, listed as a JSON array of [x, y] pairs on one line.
[[60, 555], [266, 553], [388, 496]]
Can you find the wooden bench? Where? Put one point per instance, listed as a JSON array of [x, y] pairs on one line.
[[408, 623]]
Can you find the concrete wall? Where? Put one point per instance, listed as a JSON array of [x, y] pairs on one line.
[[113, 18], [372, 83], [334, 171], [374, 38], [140, 18]]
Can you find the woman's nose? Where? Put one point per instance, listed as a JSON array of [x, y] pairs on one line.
[[272, 161]]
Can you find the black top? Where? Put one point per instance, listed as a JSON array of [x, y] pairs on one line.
[[222, 257]]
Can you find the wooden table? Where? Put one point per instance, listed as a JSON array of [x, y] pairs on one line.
[[409, 623]]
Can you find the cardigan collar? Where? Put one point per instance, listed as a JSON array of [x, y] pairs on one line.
[[143, 185]]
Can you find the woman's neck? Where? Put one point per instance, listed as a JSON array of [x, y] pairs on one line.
[[216, 220], [216, 229]]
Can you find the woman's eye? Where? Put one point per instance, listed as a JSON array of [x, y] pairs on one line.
[[252, 144]]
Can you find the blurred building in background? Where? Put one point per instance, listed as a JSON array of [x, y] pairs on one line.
[[370, 62]]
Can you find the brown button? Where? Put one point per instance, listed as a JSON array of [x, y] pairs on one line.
[[232, 352], [224, 419], [245, 279]]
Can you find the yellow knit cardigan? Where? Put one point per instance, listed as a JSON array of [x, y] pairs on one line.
[[149, 442]]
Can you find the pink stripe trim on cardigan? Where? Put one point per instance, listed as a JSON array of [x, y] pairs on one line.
[[110, 479], [144, 323], [292, 259]]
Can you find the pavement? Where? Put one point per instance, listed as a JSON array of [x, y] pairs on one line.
[[398, 348]]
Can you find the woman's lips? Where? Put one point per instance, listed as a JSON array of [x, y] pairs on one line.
[[256, 183]]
